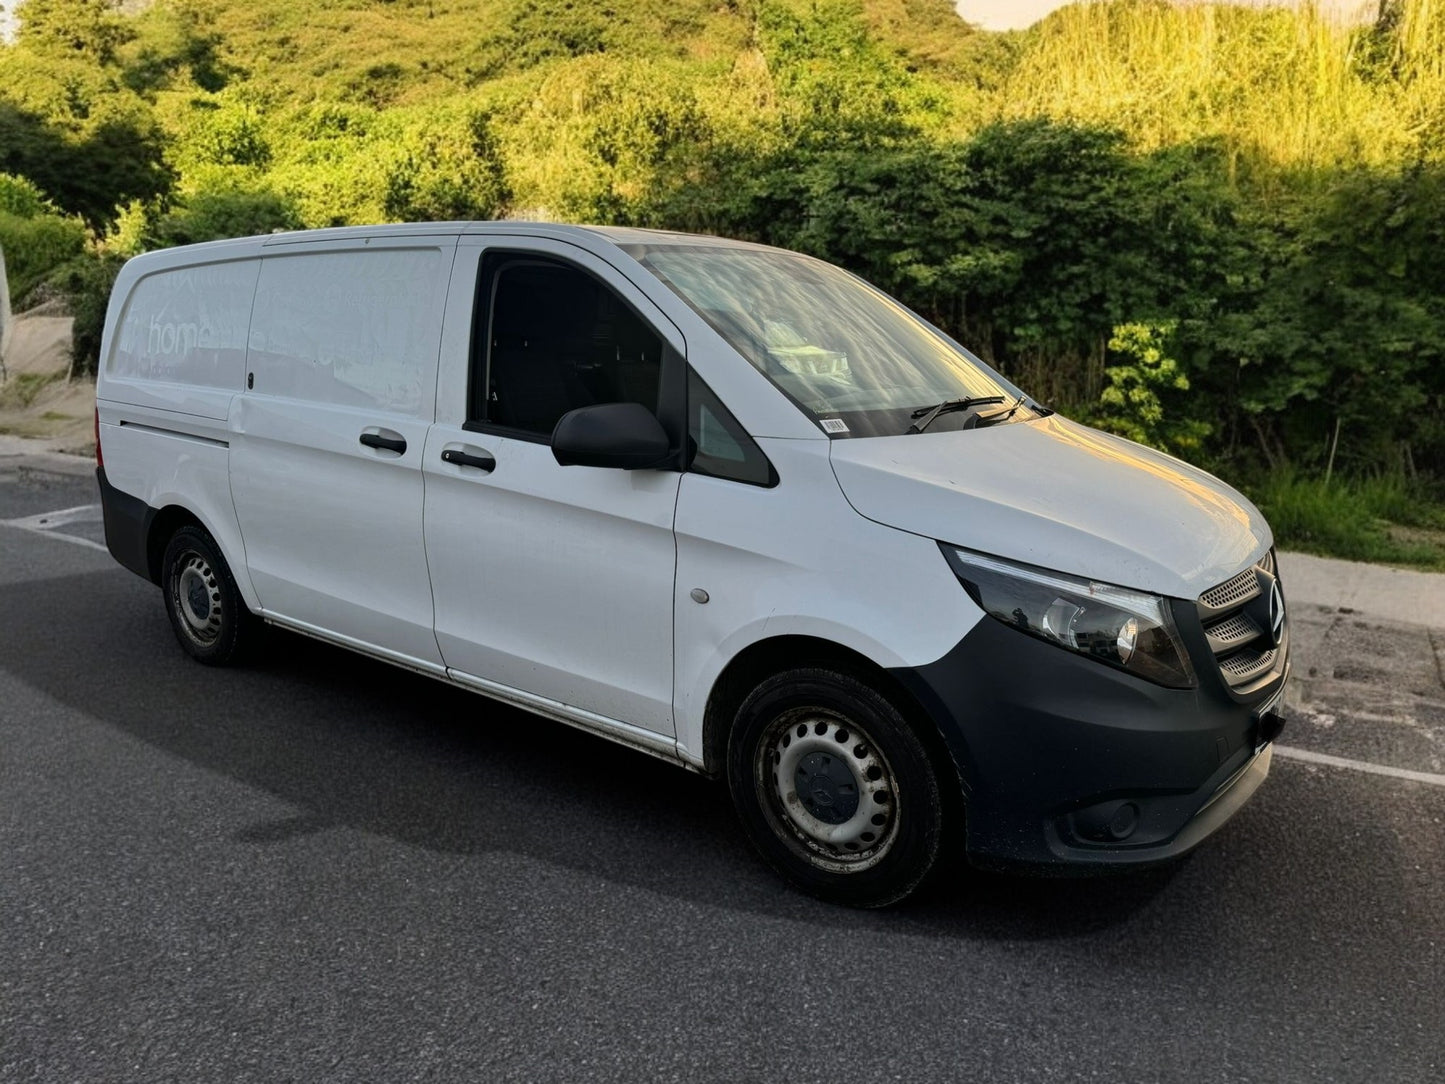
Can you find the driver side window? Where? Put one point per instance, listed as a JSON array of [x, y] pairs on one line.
[[552, 338]]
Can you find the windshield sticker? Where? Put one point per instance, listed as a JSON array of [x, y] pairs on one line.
[[833, 425]]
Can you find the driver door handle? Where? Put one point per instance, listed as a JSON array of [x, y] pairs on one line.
[[465, 459]]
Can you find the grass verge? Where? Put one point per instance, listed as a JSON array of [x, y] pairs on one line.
[[21, 389], [1386, 519]]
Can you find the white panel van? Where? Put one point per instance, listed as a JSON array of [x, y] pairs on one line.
[[727, 504]]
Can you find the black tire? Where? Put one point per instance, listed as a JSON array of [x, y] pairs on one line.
[[207, 613], [800, 741]]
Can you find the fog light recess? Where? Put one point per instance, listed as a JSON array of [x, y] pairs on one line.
[[1109, 822]]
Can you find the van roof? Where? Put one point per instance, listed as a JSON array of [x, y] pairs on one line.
[[619, 235], [587, 236]]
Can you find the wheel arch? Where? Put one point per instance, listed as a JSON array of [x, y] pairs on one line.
[[764, 658], [166, 522]]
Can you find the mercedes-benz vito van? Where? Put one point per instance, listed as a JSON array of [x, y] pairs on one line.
[[724, 503]]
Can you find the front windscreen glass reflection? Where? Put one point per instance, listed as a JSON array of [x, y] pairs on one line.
[[842, 351]]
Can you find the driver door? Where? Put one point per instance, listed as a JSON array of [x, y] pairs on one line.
[[555, 581]]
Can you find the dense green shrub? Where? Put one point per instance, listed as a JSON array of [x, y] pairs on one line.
[[1143, 398], [35, 247], [446, 169], [86, 283], [22, 198], [212, 214]]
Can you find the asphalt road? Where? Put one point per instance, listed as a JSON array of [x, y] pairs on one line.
[[323, 869]]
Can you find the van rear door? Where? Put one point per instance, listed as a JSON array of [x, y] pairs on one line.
[[328, 437]]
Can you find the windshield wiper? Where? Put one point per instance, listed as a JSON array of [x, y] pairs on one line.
[[1004, 415], [925, 415]]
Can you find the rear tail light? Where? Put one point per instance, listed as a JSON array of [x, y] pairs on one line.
[[99, 459]]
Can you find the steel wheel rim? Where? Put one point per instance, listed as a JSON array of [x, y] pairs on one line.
[[196, 596], [804, 745]]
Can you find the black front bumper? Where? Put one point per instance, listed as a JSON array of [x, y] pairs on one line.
[[1068, 762]]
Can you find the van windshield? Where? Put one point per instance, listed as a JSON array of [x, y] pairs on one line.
[[855, 360]]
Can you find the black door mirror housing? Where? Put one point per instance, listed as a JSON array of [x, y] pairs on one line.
[[621, 435]]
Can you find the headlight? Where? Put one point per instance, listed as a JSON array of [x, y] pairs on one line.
[[1128, 629]]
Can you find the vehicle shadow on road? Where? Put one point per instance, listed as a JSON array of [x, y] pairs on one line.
[[350, 742]]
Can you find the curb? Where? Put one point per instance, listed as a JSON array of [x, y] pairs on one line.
[[1394, 594], [44, 456]]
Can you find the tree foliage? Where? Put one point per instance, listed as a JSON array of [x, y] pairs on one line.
[[1212, 228]]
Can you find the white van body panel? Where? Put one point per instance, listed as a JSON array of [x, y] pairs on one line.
[[1062, 496], [174, 358], [176, 329], [797, 560], [151, 457], [330, 527], [557, 580], [343, 348]]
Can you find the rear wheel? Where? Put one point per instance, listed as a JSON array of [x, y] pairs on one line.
[[834, 788], [207, 613]]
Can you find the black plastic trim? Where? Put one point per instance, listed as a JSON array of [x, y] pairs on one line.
[[700, 395], [176, 434], [627, 436], [1042, 737], [128, 522]]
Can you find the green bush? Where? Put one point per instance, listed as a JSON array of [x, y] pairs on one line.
[[213, 214], [1141, 398], [86, 282], [22, 198], [35, 247], [444, 169]]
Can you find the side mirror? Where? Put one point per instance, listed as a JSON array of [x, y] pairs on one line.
[[623, 435]]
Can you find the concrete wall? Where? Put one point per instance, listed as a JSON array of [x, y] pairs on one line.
[[7, 319]]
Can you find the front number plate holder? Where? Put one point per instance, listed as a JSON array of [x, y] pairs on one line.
[[1260, 712]]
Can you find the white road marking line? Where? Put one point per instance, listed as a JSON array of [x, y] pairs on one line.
[[1359, 765], [45, 523], [61, 536]]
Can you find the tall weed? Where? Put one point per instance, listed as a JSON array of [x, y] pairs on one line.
[[1286, 87]]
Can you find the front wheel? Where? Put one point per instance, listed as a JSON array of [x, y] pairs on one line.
[[834, 788], [207, 613]]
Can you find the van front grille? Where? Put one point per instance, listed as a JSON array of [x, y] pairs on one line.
[[1236, 616], [1243, 665], [1226, 635], [1240, 589]]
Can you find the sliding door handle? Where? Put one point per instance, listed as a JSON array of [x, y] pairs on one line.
[[391, 444]]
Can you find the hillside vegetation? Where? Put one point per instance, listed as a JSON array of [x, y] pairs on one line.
[[1214, 229]]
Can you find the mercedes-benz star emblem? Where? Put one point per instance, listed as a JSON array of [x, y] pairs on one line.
[[1276, 613]]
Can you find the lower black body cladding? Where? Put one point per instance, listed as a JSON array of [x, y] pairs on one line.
[[127, 526], [1066, 762]]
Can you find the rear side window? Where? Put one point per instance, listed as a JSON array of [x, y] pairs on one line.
[[187, 326], [350, 328], [550, 338]]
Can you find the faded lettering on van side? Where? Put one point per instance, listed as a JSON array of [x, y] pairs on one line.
[[187, 326]]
